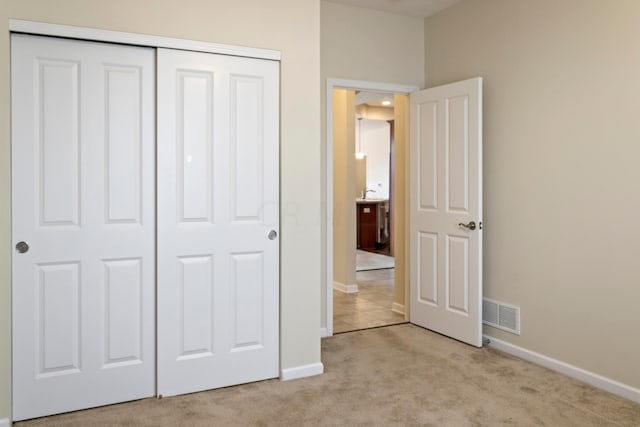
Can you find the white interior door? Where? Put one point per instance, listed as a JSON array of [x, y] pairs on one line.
[[83, 202], [446, 210], [218, 216]]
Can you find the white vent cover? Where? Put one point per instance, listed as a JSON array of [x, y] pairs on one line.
[[501, 316]]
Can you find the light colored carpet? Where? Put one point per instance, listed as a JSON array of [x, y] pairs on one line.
[[393, 376], [372, 261]]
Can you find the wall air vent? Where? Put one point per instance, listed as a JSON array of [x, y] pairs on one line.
[[501, 316]]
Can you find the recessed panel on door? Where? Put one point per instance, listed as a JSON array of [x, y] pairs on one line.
[[428, 268], [428, 153], [124, 312], [457, 281], [196, 299], [248, 295], [56, 124], [58, 319], [246, 143], [194, 121], [457, 149], [123, 138]]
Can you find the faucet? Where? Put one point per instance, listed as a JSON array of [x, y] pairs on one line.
[[365, 191]]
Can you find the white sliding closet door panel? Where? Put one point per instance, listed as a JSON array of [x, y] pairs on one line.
[[218, 215], [83, 201]]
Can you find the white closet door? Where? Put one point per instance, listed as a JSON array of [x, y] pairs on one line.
[[218, 213], [83, 202]]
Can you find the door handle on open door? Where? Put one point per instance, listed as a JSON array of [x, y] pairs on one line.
[[470, 226]]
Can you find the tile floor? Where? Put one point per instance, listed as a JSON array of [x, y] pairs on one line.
[[370, 307], [372, 261]]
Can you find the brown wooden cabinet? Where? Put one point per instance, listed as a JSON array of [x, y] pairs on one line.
[[367, 225]]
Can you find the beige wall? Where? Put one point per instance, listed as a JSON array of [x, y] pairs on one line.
[[561, 175], [291, 26], [364, 44], [344, 180]]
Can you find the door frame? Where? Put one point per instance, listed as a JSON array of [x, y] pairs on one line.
[[120, 37], [331, 84]]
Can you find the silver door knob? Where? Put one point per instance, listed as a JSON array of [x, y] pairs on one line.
[[22, 247], [273, 234], [470, 226]]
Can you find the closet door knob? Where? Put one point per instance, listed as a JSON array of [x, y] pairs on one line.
[[273, 234], [22, 247]]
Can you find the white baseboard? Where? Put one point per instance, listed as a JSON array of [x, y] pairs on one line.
[[580, 374], [324, 332], [301, 371], [397, 308], [4, 422], [347, 289]]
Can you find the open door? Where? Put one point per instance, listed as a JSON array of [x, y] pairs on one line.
[[445, 219]]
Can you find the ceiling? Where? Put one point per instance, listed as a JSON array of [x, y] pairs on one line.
[[416, 8], [373, 99]]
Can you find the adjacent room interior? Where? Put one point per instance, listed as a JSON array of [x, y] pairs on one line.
[[370, 303]]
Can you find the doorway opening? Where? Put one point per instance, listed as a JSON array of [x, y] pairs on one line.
[[372, 305], [367, 143]]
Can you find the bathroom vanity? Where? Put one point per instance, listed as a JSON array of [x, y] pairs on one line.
[[372, 224]]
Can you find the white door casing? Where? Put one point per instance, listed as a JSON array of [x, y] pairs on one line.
[[218, 201], [83, 193], [332, 84], [445, 197]]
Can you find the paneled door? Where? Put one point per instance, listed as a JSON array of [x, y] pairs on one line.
[[445, 229], [218, 216], [83, 208]]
